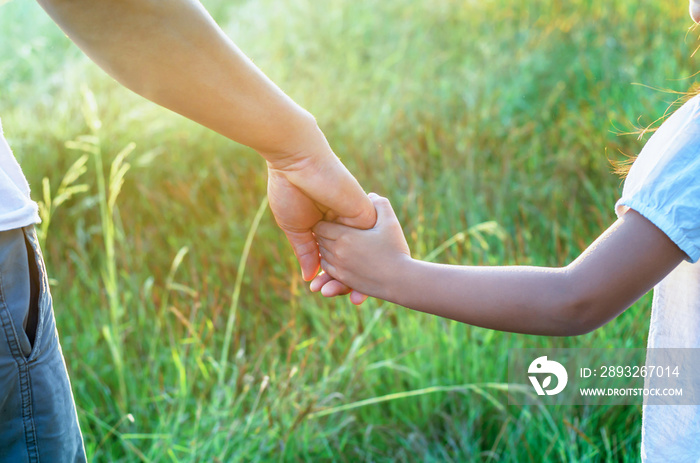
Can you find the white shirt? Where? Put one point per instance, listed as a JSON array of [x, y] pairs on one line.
[[663, 185], [16, 208]]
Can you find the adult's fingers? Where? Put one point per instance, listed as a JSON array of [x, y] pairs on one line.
[[306, 250], [326, 181], [348, 200]]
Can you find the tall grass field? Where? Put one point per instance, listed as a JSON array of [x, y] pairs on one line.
[[187, 330]]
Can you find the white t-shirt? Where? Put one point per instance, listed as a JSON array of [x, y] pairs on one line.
[[16, 208], [663, 185]]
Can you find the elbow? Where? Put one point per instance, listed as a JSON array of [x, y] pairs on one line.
[[585, 315], [578, 318], [580, 311]]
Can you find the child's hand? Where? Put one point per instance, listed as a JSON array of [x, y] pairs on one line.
[[366, 260]]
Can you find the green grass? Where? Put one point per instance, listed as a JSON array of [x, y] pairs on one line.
[[462, 113]]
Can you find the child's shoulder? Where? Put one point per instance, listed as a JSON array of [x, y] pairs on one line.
[[678, 135], [663, 184], [687, 117]]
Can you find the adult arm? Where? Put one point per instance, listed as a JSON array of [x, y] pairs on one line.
[[173, 53], [625, 262]]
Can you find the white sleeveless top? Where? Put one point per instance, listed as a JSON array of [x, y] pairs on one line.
[[16, 207]]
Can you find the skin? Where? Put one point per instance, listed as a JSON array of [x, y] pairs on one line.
[[625, 262], [694, 10], [173, 53], [205, 77]]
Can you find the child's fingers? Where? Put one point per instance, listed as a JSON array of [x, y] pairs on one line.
[[319, 281], [324, 242], [326, 253], [327, 267], [357, 297], [328, 230], [328, 285], [334, 288], [328, 248], [384, 210]]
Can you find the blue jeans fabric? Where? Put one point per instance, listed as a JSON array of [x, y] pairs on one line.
[[38, 421]]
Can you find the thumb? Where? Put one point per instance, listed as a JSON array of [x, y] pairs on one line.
[[385, 212]]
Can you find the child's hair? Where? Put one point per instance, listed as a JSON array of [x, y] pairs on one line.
[[622, 167]]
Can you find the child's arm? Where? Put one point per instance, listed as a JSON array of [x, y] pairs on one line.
[[626, 261]]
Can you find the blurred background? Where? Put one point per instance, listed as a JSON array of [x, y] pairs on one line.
[[187, 330]]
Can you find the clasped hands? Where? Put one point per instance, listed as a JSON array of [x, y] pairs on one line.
[[315, 200]]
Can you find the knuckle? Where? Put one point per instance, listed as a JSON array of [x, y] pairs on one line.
[[343, 241], [340, 276]]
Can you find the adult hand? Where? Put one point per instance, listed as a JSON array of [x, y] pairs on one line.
[[311, 186], [205, 77]]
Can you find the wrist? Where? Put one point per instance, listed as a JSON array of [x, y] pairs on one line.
[[399, 280], [298, 144]]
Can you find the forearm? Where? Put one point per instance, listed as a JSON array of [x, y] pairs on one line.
[[532, 300], [625, 262], [173, 53]]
